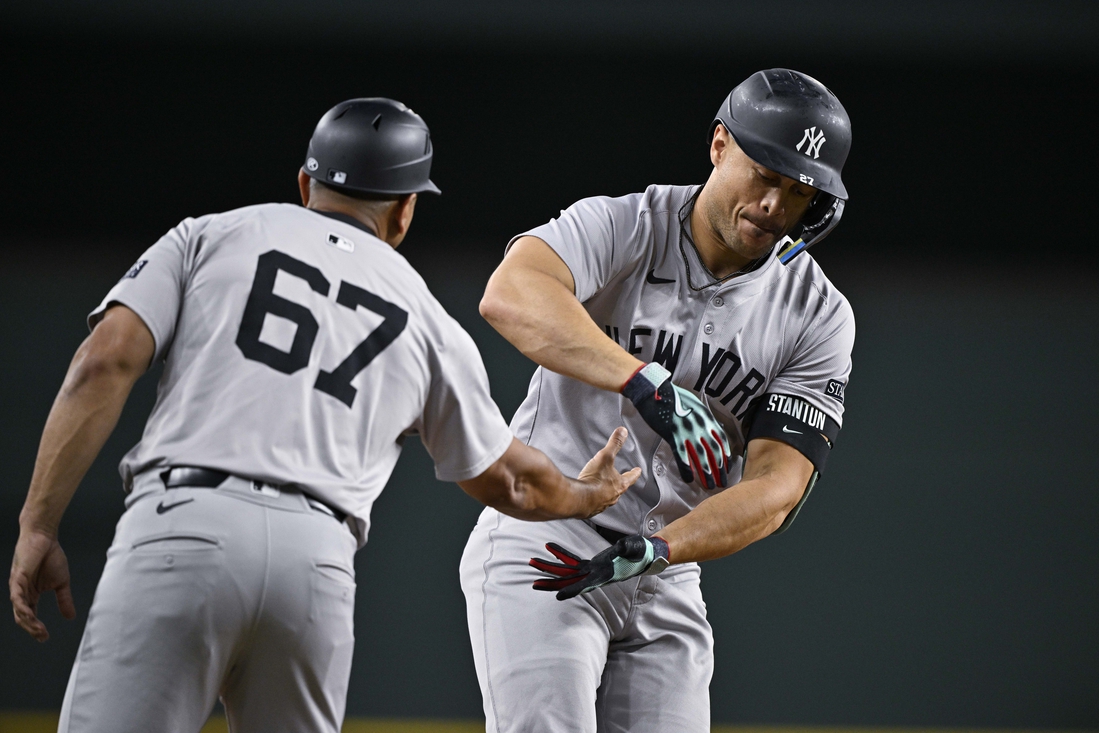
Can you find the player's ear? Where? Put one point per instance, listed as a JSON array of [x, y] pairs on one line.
[[400, 218], [719, 145], [303, 187], [405, 209]]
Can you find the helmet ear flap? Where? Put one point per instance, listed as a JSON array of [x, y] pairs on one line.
[[822, 216]]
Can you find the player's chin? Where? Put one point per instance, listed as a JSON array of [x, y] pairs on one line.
[[755, 242]]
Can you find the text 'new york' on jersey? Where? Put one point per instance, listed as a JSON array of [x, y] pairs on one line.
[[780, 328]]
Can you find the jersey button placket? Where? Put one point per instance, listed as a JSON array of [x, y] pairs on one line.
[[708, 328]]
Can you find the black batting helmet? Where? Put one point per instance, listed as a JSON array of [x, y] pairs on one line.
[[792, 124], [371, 145]]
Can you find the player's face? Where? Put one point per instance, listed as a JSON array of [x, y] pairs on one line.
[[750, 207]]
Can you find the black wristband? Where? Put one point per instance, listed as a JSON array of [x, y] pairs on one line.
[[660, 546]]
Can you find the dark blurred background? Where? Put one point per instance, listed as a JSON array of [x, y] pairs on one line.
[[945, 571]]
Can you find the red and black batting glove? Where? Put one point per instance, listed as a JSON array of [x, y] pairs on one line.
[[629, 557], [684, 421]]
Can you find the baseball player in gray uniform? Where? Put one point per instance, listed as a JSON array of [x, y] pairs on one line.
[[299, 350], [686, 313]]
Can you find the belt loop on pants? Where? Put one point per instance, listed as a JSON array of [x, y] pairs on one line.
[[208, 478]]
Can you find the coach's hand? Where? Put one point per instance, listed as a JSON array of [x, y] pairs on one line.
[[629, 557], [39, 566], [606, 484], [684, 421]]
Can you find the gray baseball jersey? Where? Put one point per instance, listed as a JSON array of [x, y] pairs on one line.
[[769, 347], [298, 351], [779, 330], [299, 348]]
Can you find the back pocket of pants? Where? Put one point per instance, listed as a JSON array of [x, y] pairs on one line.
[[333, 590], [186, 541]]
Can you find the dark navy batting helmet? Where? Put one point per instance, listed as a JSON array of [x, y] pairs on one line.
[[791, 123], [371, 145]]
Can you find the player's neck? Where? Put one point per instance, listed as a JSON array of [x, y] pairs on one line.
[[336, 208], [715, 254]]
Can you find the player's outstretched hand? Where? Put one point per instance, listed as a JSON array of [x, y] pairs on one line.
[[39, 566], [605, 482], [697, 439], [627, 558]]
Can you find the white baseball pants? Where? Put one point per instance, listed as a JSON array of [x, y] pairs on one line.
[[633, 656], [232, 592]]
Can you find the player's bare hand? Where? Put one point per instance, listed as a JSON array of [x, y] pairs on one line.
[[605, 481], [39, 566]]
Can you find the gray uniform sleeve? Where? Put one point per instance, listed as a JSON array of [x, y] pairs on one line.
[[153, 287], [803, 406], [821, 365], [461, 426], [590, 237]]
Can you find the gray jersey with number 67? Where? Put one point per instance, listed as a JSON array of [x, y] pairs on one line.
[[781, 331], [299, 348]]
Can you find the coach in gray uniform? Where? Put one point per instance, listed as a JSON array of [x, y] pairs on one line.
[[687, 314], [299, 349]]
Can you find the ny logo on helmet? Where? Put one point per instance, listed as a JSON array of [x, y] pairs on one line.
[[815, 140]]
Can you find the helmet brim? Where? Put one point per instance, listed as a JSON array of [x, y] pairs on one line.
[[791, 165]]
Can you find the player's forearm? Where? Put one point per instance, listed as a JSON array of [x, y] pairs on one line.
[[545, 321], [775, 478], [542, 492], [730, 521], [524, 483], [82, 417]]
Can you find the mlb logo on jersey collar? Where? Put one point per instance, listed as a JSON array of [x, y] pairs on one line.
[[341, 242]]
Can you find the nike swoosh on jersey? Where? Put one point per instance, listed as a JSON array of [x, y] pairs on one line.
[[652, 278], [162, 507], [788, 430], [679, 407]]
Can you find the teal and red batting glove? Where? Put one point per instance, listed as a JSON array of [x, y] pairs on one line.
[[629, 557], [684, 421]]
